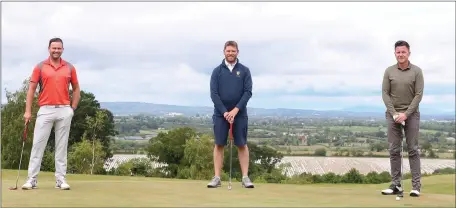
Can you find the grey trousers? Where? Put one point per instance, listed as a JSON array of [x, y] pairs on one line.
[[395, 137], [47, 117]]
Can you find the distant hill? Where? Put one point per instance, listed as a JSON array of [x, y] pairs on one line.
[[133, 108]]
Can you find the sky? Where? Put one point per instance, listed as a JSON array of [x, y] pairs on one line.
[[303, 55]]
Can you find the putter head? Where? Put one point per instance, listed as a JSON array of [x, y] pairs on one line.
[[401, 194], [12, 188]]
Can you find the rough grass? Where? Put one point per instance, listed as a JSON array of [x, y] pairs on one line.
[[120, 191]]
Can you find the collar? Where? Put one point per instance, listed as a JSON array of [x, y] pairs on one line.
[[408, 66], [225, 63], [48, 61]]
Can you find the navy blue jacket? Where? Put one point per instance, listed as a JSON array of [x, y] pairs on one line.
[[231, 89]]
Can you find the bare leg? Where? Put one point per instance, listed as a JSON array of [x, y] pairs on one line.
[[243, 154], [218, 159]]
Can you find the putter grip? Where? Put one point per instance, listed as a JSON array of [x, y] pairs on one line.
[[24, 136], [231, 131]]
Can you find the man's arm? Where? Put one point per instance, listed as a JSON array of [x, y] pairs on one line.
[[386, 88], [214, 93], [247, 91], [76, 89], [30, 96], [419, 88], [34, 79]]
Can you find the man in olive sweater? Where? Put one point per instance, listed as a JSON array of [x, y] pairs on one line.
[[231, 89], [402, 88]]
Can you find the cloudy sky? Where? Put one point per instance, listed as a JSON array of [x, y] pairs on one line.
[[301, 55]]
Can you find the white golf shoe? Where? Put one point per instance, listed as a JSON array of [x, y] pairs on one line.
[[62, 184], [30, 184], [415, 193]]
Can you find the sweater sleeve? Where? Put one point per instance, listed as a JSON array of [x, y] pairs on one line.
[[419, 86], [247, 90], [386, 88], [215, 94]]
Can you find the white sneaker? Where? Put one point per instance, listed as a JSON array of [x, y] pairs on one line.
[[415, 193], [62, 184], [30, 184]]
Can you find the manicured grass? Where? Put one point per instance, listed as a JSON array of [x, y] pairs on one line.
[[124, 191]]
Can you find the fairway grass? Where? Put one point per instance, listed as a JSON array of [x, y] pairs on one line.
[[125, 191]]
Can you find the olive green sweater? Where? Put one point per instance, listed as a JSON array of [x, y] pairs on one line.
[[402, 89]]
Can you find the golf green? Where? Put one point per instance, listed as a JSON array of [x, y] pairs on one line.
[[124, 191]]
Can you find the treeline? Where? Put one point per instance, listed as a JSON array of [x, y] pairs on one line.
[[127, 124], [188, 155], [119, 146], [132, 125]]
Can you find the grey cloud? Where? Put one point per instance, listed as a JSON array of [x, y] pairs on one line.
[[280, 47]]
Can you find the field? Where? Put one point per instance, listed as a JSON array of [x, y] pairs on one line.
[[120, 191], [151, 131], [309, 150], [371, 129]]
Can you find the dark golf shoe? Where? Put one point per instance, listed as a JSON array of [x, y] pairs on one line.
[[392, 190], [215, 182], [246, 183]]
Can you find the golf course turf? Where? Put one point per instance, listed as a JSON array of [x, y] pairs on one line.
[[126, 191]]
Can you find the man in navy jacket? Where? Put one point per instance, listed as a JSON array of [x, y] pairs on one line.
[[231, 89]]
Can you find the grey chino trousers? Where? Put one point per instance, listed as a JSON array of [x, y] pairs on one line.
[[395, 137], [47, 117]]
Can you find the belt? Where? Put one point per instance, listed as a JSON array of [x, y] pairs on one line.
[[55, 106]]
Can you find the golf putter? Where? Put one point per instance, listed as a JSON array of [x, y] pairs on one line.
[[231, 153], [401, 194], [20, 161]]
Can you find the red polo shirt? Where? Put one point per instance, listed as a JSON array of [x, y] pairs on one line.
[[55, 81]]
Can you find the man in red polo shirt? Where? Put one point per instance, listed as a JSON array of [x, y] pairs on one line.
[[54, 76]]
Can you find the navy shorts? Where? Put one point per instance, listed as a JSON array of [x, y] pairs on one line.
[[222, 129]]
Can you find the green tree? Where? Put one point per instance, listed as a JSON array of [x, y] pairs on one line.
[[432, 154], [94, 128], [353, 176], [89, 106], [267, 157], [169, 148], [263, 161], [80, 157], [198, 158], [189, 155], [12, 126], [426, 146], [320, 152]]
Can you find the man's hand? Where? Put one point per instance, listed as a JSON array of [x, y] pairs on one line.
[[232, 114], [400, 118], [27, 116], [225, 115]]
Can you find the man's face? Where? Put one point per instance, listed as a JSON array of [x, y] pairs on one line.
[[56, 50], [230, 54], [402, 54]]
